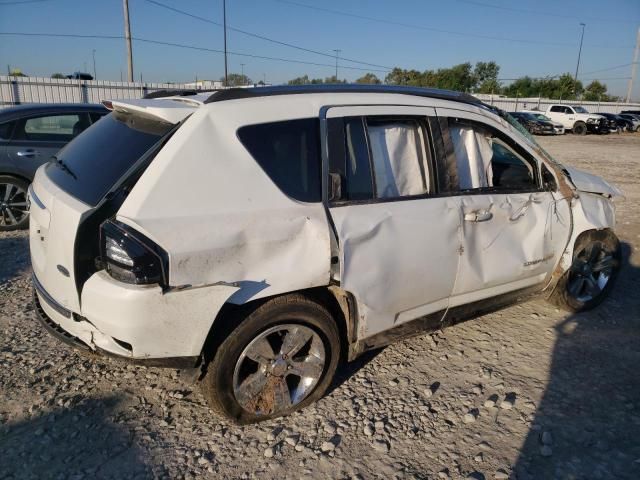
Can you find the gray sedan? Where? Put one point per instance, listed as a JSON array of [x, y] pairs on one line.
[[29, 136]]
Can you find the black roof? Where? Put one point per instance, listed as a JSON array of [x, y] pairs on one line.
[[256, 92], [36, 108]]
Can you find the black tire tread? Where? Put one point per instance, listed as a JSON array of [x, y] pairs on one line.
[[210, 384], [560, 296]]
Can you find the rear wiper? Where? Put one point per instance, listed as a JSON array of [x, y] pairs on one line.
[[63, 166]]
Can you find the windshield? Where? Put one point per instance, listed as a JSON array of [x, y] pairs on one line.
[[90, 165], [528, 137], [580, 110], [540, 116]]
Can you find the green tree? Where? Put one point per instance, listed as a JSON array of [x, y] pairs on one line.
[[16, 72], [486, 71], [58, 75], [568, 88], [399, 76], [333, 79], [369, 78], [486, 77], [488, 86], [236, 80], [597, 92], [522, 87], [300, 80]]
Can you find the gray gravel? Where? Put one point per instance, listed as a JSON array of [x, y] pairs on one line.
[[529, 392]]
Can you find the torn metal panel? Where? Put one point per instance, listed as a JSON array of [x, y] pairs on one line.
[[590, 211], [587, 182], [398, 258]]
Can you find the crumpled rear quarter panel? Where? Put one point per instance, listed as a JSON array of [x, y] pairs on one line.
[[207, 202]]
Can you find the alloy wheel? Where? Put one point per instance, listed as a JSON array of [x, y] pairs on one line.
[[590, 272], [13, 205], [278, 369]]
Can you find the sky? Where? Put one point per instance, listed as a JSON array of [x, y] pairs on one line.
[[418, 34]]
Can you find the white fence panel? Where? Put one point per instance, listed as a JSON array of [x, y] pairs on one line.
[[18, 90]]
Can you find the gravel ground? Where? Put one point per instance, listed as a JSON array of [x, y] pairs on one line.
[[528, 392]]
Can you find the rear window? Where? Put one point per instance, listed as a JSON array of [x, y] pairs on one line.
[[289, 152], [5, 130], [93, 162]]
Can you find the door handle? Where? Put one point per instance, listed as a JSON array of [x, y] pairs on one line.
[[478, 216], [29, 153]]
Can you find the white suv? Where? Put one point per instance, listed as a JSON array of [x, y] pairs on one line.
[[261, 235]]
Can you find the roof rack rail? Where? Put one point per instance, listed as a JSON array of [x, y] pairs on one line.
[[256, 92], [177, 93]]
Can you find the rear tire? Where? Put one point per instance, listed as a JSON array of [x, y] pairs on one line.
[[280, 358], [580, 128], [14, 212], [593, 272]]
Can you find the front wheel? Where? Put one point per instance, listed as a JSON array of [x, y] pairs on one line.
[[595, 267], [14, 211], [279, 359], [580, 128]]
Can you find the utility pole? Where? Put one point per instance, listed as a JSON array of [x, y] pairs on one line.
[[242, 72], [95, 75], [337, 50], [224, 17], [575, 77], [127, 36], [634, 67]]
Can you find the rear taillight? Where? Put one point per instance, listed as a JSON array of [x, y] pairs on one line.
[[130, 257]]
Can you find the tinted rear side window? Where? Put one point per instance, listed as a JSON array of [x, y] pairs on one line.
[[5, 130], [97, 159], [289, 152]]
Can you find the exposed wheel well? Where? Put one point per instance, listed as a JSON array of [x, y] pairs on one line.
[[340, 304], [560, 271], [15, 175]]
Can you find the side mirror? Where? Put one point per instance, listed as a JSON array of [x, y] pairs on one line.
[[335, 187]]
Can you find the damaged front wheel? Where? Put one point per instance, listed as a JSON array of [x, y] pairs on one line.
[[280, 358], [595, 266]]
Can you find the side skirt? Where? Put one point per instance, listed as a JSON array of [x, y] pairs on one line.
[[435, 321]]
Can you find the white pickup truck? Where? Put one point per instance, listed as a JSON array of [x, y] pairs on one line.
[[577, 119]]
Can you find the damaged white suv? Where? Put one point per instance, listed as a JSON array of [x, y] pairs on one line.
[[261, 235]]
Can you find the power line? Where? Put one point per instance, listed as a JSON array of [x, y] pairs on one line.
[[607, 78], [606, 69], [546, 14], [437, 30], [191, 47], [261, 37]]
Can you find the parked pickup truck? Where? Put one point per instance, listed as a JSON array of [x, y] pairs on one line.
[[577, 119]]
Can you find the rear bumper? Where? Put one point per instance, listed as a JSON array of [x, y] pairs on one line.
[[138, 324], [58, 331]]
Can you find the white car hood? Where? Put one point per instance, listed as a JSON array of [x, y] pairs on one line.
[[587, 182]]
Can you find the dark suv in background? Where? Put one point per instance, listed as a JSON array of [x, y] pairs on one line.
[[29, 136]]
